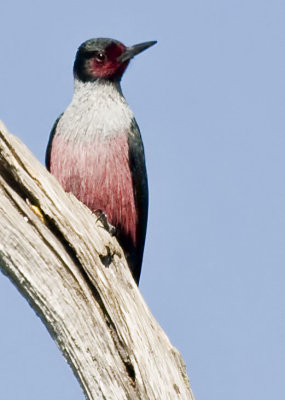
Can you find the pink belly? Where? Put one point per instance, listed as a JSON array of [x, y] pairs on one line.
[[98, 174]]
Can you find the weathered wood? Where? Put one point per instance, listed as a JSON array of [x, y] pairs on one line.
[[74, 274]]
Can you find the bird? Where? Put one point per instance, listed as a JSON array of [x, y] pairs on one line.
[[95, 149]]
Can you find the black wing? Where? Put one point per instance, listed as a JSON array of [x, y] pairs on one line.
[[140, 185], [51, 136]]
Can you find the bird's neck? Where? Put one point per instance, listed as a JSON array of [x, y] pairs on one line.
[[99, 86]]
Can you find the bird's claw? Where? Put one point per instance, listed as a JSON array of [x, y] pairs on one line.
[[104, 220]]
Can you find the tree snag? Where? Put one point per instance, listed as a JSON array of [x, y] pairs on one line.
[[74, 275]]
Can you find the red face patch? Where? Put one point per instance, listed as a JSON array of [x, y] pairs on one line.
[[105, 64]]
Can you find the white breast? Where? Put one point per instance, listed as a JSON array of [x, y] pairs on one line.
[[97, 108]]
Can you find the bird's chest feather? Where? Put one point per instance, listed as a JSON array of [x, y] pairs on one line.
[[90, 158]]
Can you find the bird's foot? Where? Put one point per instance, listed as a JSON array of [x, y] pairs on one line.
[[104, 220]]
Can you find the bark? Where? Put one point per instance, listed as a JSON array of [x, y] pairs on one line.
[[74, 274]]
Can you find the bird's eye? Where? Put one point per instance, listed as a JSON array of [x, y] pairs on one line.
[[100, 57]]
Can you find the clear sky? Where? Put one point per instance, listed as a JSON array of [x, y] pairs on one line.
[[210, 101]]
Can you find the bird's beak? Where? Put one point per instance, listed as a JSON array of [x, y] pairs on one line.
[[132, 51]]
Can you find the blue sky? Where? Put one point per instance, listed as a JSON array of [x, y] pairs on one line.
[[210, 101]]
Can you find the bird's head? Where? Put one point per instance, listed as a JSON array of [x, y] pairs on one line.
[[104, 59]]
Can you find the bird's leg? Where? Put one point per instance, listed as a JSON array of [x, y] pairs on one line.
[[104, 220]]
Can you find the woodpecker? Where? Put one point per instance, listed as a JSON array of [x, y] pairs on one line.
[[95, 148]]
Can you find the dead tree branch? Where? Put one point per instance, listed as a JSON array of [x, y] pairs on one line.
[[74, 275]]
